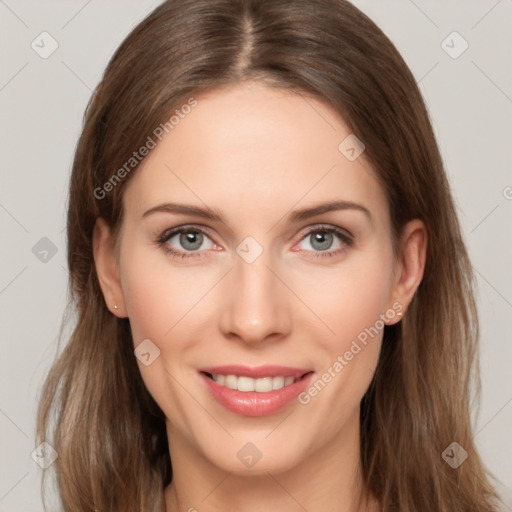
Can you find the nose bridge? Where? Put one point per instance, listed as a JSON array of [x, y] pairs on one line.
[[255, 306]]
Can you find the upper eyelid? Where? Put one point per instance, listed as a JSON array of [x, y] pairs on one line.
[[190, 227], [172, 232], [327, 227]]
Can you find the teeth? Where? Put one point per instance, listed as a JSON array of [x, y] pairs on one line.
[[263, 385]]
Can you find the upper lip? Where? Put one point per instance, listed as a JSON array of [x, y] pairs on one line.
[[256, 372]]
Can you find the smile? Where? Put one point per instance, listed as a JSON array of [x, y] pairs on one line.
[[245, 384], [250, 391]]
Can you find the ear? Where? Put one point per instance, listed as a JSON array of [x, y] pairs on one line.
[[409, 266], [107, 268]]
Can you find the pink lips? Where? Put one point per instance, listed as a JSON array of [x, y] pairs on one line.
[[253, 403]]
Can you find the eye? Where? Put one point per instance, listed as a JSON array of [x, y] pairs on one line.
[[190, 241], [329, 240], [186, 241]]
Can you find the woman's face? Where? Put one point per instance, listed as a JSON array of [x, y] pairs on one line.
[[263, 282]]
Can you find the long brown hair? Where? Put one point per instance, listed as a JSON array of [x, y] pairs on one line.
[[95, 410]]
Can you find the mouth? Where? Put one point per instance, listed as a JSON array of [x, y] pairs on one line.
[[255, 391], [247, 384]]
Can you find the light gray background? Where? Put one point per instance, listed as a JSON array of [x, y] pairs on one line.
[[42, 103]]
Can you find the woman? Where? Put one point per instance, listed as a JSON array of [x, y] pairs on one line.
[[275, 306]]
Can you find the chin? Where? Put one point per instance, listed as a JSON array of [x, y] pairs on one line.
[[257, 456]]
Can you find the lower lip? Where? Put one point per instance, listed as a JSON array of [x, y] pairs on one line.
[[253, 403]]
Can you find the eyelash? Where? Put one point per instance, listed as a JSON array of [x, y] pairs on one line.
[[346, 239]]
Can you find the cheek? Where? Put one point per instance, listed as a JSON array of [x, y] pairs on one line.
[[159, 303], [165, 304], [146, 296], [351, 297], [358, 326], [157, 294], [352, 306], [364, 299]]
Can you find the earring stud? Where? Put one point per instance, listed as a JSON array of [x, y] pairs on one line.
[[115, 307]]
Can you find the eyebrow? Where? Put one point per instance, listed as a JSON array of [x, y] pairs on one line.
[[295, 216]]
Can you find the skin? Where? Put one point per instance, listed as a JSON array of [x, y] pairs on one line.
[[255, 154]]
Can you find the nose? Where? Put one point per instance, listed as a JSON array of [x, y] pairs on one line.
[[256, 303]]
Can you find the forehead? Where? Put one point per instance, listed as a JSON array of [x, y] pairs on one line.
[[254, 149]]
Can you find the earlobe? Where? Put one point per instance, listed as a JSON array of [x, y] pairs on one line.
[[107, 268], [410, 264]]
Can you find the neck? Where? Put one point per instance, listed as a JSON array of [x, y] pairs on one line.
[[328, 479]]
